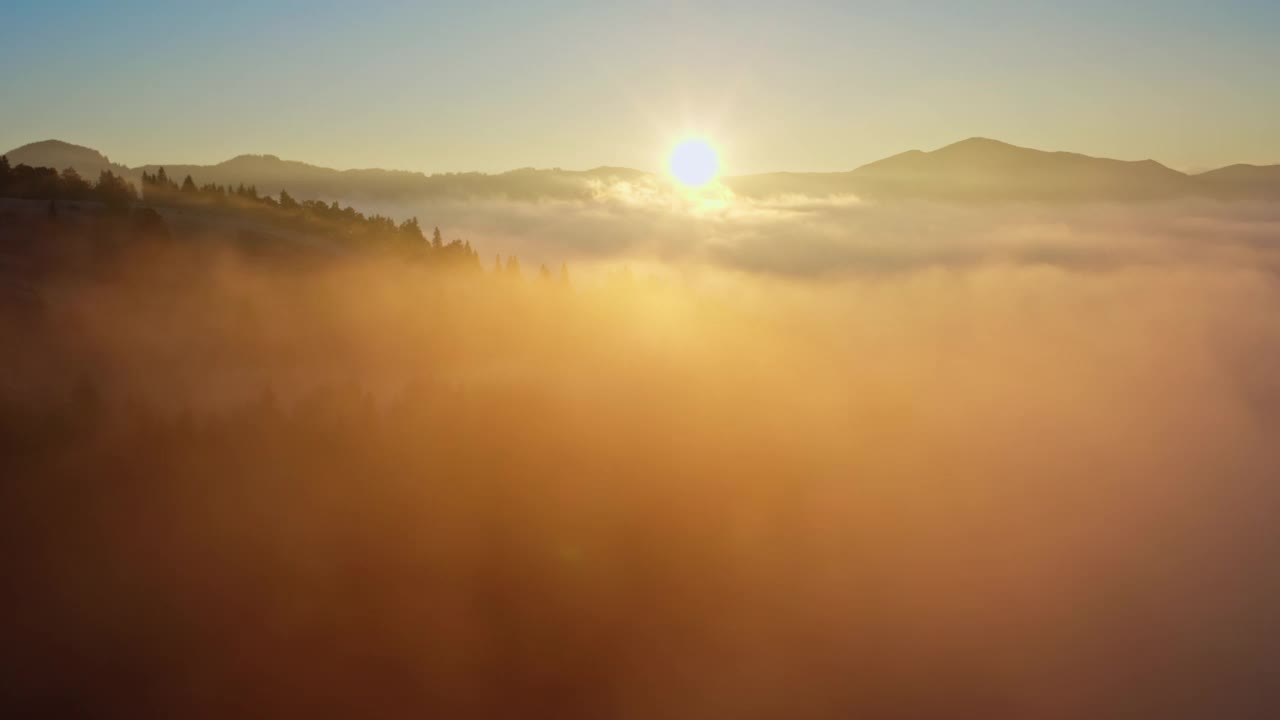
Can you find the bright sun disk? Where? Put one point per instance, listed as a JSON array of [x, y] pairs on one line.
[[694, 162]]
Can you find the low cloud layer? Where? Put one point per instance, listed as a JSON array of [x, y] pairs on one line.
[[912, 460], [809, 237]]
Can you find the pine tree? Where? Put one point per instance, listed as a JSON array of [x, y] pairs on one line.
[[411, 228], [114, 192], [436, 241], [73, 187]]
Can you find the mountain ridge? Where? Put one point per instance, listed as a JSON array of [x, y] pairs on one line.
[[973, 169], [59, 154]]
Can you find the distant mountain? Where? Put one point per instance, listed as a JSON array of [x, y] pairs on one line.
[[271, 174], [973, 170], [60, 155], [979, 169], [1243, 180]]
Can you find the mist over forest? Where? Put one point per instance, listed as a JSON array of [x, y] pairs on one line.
[[637, 451]]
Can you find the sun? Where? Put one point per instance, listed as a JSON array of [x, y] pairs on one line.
[[694, 162]]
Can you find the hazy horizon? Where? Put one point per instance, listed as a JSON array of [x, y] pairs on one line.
[[656, 170], [817, 87]]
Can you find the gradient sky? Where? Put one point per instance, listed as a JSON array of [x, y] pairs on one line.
[[492, 86]]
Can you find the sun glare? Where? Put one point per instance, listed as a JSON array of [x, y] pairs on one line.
[[694, 162]]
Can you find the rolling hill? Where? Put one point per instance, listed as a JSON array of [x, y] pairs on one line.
[[1243, 180], [979, 169], [58, 155], [973, 170]]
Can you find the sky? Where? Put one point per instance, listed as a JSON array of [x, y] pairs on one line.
[[552, 83]]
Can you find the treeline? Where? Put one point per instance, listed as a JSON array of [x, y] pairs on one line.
[[42, 183], [347, 224], [350, 228]]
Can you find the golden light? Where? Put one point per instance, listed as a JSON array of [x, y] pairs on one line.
[[694, 162]]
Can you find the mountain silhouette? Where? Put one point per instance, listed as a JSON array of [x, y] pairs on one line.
[[271, 174], [973, 170], [1243, 180], [980, 169], [60, 155]]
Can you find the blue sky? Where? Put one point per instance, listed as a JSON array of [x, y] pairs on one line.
[[491, 86]]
